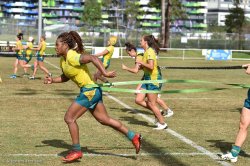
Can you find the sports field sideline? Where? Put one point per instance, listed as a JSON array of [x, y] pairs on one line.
[[204, 125]]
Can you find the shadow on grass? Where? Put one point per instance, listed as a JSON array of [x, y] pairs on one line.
[[145, 112], [66, 93], [86, 151], [131, 120], [26, 91], [226, 147], [156, 152]]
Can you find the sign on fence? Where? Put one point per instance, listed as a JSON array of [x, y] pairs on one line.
[[218, 54]]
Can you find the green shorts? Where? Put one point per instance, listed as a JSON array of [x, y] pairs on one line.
[[39, 57], [89, 97], [150, 86], [247, 101]]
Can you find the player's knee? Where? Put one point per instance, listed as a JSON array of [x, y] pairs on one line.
[[243, 126], [104, 121], [69, 120], [138, 101]]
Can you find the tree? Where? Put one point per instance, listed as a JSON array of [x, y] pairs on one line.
[[131, 13], [92, 14], [235, 21], [171, 10]]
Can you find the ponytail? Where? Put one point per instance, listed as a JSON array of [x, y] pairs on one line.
[[73, 40], [152, 42]]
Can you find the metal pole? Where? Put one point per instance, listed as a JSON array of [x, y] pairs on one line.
[[39, 19]]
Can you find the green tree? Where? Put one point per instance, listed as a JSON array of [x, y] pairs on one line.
[[131, 13], [171, 10], [92, 13], [235, 21]]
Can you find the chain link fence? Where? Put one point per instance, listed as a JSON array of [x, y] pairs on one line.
[[99, 36]]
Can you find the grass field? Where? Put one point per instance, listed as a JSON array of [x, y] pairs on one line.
[[33, 132]]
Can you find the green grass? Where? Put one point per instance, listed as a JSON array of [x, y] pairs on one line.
[[32, 118]]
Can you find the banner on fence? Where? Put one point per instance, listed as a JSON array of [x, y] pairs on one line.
[[218, 54]]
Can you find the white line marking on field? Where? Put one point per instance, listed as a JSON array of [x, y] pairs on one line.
[[183, 98], [52, 65], [113, 154], [172, 132]]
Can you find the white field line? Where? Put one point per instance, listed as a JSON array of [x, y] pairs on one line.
[[172, 132], [183, 98], [177, 135], [110, 154]]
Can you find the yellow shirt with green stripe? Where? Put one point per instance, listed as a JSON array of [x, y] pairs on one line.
[[154, 74], [43, 47], [72, 69], [107, 57], [139, 57], [19, 45], [29, 49]]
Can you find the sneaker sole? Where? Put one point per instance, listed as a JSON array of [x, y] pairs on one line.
[[140, 138]]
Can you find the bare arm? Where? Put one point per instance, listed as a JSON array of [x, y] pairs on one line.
[[38, 48], [247, 67], [105, 52], [84, 59], [18, 48], [135, 69], [50, 80], [149, 65]]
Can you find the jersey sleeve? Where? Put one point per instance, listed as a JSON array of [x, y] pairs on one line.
[[151, 54], [73, 59], [110, 48]]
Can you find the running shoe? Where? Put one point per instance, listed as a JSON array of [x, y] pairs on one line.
[[13, 76], [31, 78], [161, 126], [26, 74], [167, 113], [72, 156], [137, 142], [229, 157]]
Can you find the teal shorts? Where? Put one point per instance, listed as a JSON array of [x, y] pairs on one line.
[[151, 86], [89, 97], [27, 60], [247, 101], [19, 56], [39, 57]]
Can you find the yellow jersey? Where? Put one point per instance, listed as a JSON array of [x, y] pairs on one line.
[[72, 69], [107, 57], [154, 74], [43, 47], [29, 49], [20, 46]]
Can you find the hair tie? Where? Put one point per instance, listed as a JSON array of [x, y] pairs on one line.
[[76, 45]]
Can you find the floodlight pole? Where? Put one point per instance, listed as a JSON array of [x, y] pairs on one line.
[[39, 19]]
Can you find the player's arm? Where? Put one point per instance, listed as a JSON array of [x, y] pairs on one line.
[[38, 48], [135, 69], [50, 80], [105, 52], [149, 65], [18, 48], [84, 59]]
